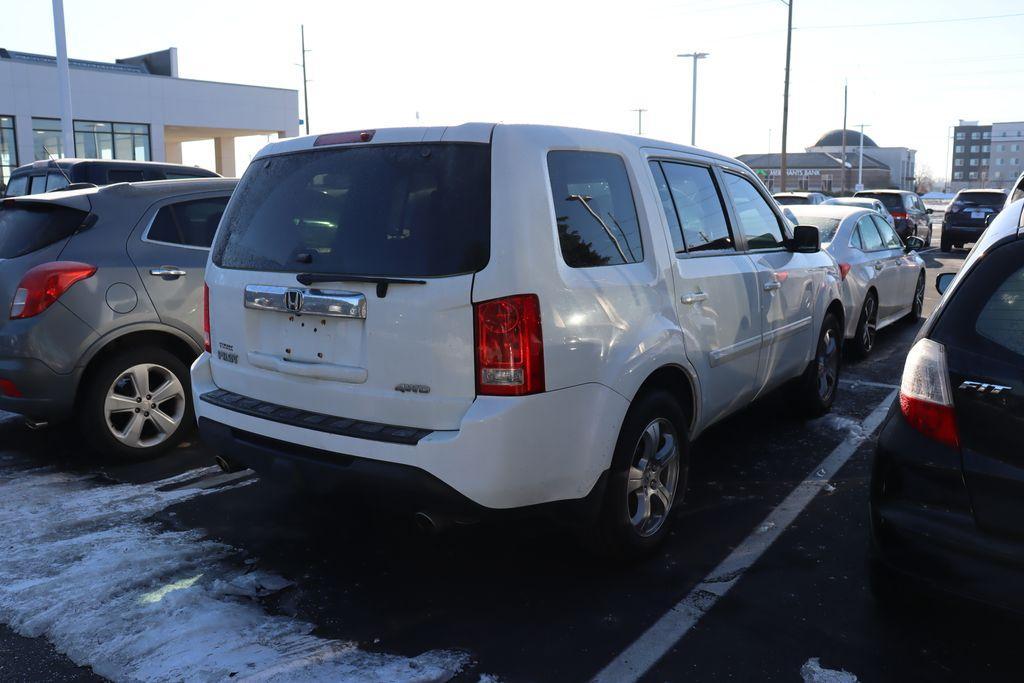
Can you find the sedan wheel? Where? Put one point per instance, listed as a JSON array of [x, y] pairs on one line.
[[653, 477], [145, 405], [867, 327], [828, 366], [918, 306]]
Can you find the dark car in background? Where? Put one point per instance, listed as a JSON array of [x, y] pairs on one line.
[[910, 215], [102, 293], [968, 215], [947, 484], [47, 176]]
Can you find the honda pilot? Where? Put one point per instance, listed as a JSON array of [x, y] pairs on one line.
[[490, 317]]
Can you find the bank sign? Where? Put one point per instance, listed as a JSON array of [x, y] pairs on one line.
[[789, 172]]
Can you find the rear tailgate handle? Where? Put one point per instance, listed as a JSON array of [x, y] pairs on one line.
[[693, 298], [168, 272]]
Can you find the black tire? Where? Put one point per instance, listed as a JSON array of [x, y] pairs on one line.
[[615, 536], [867, 327], [816, 389], [917, 307], [92, 414], [944, 244]]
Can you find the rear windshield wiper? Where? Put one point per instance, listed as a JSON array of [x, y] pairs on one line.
[[381, 282]]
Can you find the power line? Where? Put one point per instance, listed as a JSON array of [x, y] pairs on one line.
[[910, 23]]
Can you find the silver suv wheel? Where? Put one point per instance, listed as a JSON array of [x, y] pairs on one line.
[[145, 405], [653, 477]]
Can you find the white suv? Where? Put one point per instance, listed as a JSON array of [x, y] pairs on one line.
[[489, 317]]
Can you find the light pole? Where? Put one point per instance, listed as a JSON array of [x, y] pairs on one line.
[[785, 93], [63, 81], [639, 120], [693, 113], [860, 161]]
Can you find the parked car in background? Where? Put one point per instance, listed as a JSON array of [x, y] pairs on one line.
[[102, 289], [968, 215], [883, 279], [947, 484], [864, 203], [47, 176], [799, 198], [501, 334], [909, 213], [1016, 192]]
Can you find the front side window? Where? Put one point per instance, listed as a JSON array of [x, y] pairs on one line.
[[594, 209], [192, 224], [699, 205], [756, 219], [668, 208], [46, 138]]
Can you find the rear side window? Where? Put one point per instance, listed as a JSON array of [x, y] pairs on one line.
[[793, 200], [17, 187], [992, 200], [889, 237], [55, 181], [1002, 319], [756, 219], [379, 210], [27, 227], [891, 200], [699, 205], [191, 224], [869, 237], [594, 209], [37, 184], [826, 226]]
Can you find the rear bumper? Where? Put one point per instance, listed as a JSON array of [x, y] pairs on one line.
[[922, 526], [963, 233], [45, 394], [509, 452]]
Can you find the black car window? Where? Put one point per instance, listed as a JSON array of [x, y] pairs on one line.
[[699, 206], [1002, 317], [992, 200], [668, 208], [17, 187], [123, 176], [869, 235], [191, 224], [594, 209], [891, 200], [756, 219]]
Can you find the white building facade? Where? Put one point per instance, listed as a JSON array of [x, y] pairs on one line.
[[136, 108]]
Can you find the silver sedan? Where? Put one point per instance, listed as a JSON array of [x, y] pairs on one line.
[[883, 278], [864, 203]]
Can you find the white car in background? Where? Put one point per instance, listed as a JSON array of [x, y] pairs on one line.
[[864, 203], [882, 278]]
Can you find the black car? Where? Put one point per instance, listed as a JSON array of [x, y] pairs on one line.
[[46, 176], [968, 215], [947, 484], [908, 212]]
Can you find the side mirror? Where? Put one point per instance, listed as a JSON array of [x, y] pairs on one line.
[[943, 281], [913, 243], [806, 240], [929, 210]]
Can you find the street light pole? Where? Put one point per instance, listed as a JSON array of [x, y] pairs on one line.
[[860, 162], [785, 93], [63, 81], [639, 120], [305, 81], [693, 107]]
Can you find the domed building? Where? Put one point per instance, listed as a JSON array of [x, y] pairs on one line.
[[821, 169]]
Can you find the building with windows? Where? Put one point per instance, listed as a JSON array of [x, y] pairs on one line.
[[821, 167], [134, 108], [986, 155]]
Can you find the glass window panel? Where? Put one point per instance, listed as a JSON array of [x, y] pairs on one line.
[[594, 209], [700, 207], [45, 124], [123, 148], [756, 219], [869, 236], [142, 148], [55, 181], [674, 229]]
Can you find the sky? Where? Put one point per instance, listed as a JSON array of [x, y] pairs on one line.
[[586, 63]]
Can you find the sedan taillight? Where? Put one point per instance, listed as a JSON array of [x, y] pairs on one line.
[[41, 286]]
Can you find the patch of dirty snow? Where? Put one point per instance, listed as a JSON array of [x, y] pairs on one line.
[[838, 423], [81, 565], [813, 672]]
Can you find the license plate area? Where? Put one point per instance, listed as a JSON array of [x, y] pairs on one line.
[[307, 339]]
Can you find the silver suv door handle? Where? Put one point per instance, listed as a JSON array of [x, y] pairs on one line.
[[694, 297], [774, 284], [168, 272], [879, 265]]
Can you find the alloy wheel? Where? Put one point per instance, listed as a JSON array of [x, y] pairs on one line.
[[828, 365], [653, 477], [919, 296], [145, 405], [870, 324]]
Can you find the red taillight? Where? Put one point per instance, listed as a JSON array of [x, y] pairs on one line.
[[206, 316], [844, 270], [509, 346], [7, 388], [44, 284], [899, 214], [925, 396], [346, 138]]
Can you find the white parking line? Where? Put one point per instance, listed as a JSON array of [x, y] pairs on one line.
[[853, 383], [644, 653]]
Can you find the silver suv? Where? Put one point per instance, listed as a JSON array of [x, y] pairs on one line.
[[102, 291]]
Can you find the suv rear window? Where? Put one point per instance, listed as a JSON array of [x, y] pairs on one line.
[[26, 227], [892, 201], [991, 199], [384, 210]]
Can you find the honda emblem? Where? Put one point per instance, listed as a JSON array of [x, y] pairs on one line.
[[293, 300]]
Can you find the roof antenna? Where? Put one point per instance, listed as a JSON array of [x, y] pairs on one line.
[[52, 160]]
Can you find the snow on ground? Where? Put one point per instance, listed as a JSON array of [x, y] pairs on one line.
[[838, 423], [813, 672], [80, 565]]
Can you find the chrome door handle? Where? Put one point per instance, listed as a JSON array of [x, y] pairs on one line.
[[694, 297], [879, 265], [769, 286], [168, 272]]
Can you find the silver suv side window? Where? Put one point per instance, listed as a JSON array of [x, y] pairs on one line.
[[700, 216], [757, 221], [594, 209]]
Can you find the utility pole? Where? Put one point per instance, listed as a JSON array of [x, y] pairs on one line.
[[639, 120], [785, 93], [63, 81], [693, 107], [845, 174], [860, 161], [305, 81]]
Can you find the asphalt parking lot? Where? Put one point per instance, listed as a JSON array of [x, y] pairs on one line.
[[101, 562]]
